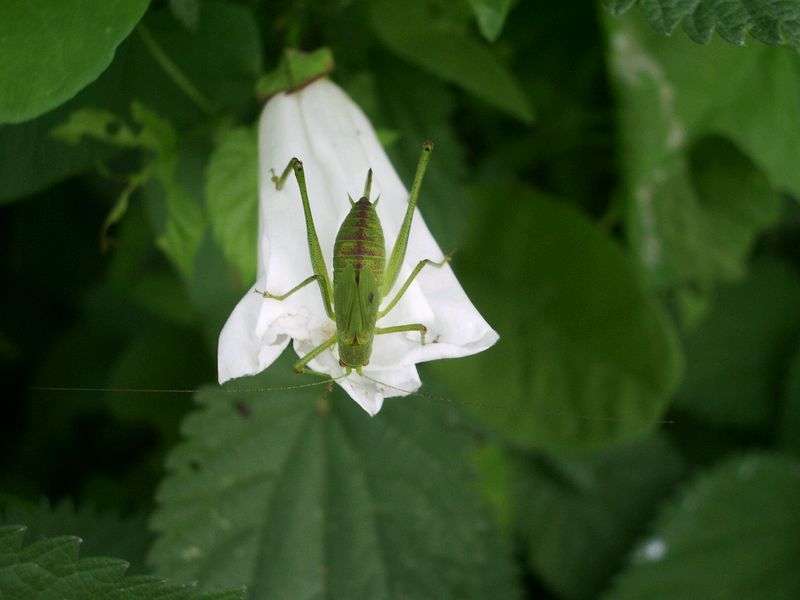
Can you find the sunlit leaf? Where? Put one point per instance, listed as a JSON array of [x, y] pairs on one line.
[[586, 356], [232, 199], [53, 49]]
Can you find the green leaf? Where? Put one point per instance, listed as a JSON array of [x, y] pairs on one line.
[[299, 494], [692, 219], [579, 516], [223, 72], [734, 532], [769, 21], [53, 50], [186, 226], [491, 16], [187, 12], [232, 198], [50, 568], [789, 423], [586, 356], [102, 533], [420, 107], [407, 28], [736, 356]]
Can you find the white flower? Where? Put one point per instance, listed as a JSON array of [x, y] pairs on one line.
[[328, 132]]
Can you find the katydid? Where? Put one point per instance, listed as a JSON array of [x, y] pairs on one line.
[[361, 277]]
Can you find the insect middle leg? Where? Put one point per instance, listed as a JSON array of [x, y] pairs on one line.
[[420, 265], [400, 328], [300, 366]]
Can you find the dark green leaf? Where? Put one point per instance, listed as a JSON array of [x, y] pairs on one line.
[[736, 356], [579, 516], [187, 12], [586, 357], [789, 423], [299, 494], [50, 568], [491, 15], [734, 532], [103, 533], [769, 21], [232, 199], [407, 28], [52, 49], [419, 107]]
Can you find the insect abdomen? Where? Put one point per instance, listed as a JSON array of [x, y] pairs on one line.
[[360, 242]]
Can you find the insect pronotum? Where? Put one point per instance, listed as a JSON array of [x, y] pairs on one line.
[[361, 277]]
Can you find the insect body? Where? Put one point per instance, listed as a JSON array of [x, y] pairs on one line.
[[361, 276]]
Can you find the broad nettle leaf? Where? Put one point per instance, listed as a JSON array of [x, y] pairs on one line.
[[102, 533], [734, 532], [578, 517], [768, 21], [51, 568], [232, 198], [694, 204], [737, 355], [410, 30], [587, 356], [298, 494], [53, 49]]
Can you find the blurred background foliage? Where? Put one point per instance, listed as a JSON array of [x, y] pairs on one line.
[[621, 183]]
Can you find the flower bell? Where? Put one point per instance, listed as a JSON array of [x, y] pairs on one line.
[[337, 146]]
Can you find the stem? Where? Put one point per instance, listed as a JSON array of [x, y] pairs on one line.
[[173, 71]]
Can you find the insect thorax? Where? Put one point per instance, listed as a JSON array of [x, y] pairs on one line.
[[359, 242]]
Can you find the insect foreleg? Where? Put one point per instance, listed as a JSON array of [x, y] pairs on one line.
[[300, 366], [314, 250], [400, 328], [408, 281], [300, 285], [400, 245]]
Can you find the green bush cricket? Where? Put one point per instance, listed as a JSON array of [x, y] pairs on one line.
[[361, 277]]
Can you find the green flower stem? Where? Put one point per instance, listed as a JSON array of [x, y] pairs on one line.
[[173, 71]]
